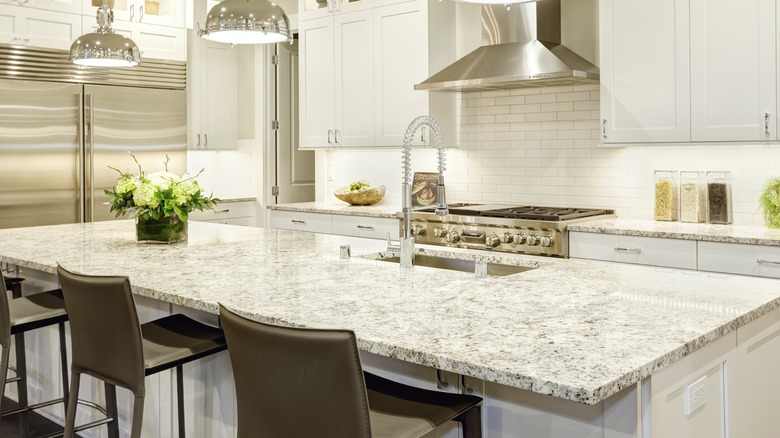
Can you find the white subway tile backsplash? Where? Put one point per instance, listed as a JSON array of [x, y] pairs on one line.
[[541, 146]]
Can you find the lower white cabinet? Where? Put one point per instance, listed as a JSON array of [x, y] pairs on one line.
[[672, 253], [231, 213], [300, 221], [342, 225], [733, 258]]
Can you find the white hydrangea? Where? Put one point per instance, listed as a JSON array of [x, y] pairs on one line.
[[162, 179], [126, 184], [144, 195]]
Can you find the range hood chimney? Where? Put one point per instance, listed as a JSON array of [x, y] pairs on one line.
[[523, 49]]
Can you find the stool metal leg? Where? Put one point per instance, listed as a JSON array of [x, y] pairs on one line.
[[64, 361], [21, 373], [70, 411], [180, 398], [4, 357], [113, 412]]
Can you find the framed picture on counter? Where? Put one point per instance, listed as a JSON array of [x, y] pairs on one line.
[[424, 188]]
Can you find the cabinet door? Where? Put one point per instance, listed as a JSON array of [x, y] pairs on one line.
[[160, 42], [401, 59], [354, 74], [161, 12], [194, 67], [733, 85], [645, 80], [218, 95], [69, 6], [317, 83], [40, 28], [124, 10]]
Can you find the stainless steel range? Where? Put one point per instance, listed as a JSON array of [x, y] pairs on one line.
[[519, 229]]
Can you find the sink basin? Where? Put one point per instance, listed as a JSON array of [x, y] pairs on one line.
[[495, 269]]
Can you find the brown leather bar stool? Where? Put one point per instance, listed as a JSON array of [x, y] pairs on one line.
[[109, 344], [295, 382], [17, 316]]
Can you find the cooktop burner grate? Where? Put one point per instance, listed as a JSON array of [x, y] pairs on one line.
[[542, 213]]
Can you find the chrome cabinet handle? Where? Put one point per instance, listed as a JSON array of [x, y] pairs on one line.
[[603, 128], [766, 123], [330, 136], [22, 40], [767, 262], [298, 221], [206, 137], [422, 134], [222, 211], [622, 249], [365, 227], [338, 136], [198, 145], [141, 10], [132, 12]]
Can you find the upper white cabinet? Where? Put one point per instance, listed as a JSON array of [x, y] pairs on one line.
[[211, 88], [678, 71], [358, 70], [311, 9], [69, 6], [159, 12], [28, 26], [733, 84], [645, 74], [160, 42]]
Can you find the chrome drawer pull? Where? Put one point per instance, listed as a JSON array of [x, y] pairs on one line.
[[620, 248], [365, 227], [297, 221], [222, 211], [769, 262]]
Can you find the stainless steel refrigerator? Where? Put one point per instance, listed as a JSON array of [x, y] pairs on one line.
[[58, 139]]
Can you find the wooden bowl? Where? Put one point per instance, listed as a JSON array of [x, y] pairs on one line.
[[365, 197]]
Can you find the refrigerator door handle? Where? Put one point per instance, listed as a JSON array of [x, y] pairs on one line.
[[91, 126], [80, 161]]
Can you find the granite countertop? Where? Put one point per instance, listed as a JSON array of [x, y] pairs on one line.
[[380, 209], [237, 199], [578, 330], [751, 235]]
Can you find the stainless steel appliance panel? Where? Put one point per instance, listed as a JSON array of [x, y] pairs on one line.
[[39, 153], [147, 122]]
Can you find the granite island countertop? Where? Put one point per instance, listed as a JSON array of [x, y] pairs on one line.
[[750, 235], [575, 329], [381, 209]]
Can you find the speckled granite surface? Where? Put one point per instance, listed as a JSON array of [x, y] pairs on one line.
[[575, 329], [750, 235], [380, 209], [227, 200]]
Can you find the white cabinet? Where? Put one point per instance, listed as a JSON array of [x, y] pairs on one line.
[[158, 12], [160, 42], [370, 227], [212, 95], [231, 213], [358, 70], [645, 71], [40, 28], [300, 221], [672, 253], [733, 63], [69, 6], [733, 258]]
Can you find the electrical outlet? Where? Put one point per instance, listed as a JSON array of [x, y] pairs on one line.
[[695, 395], [331, 171]]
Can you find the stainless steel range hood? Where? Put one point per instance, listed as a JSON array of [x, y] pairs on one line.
[[523, 50]]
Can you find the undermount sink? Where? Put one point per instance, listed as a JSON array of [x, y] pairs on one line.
[[494, 269]]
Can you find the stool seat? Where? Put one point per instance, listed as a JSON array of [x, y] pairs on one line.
[[45, 308], [399, 410], [177, 338]]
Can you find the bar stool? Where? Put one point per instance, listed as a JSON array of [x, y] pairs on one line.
[[109, 344], [295, 382], [20, 315]]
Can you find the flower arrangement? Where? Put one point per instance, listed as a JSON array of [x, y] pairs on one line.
[[770, 202], [157, 195], [160, 201]]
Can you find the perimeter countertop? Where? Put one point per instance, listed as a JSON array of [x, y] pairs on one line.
[[750, 235], [575, 329], [381, 209]]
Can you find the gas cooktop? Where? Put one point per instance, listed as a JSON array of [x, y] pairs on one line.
[[521, 212]]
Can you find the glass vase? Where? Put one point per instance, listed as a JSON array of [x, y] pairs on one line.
[[169, 229]]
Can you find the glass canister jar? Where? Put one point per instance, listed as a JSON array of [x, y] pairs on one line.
[[665, 195], [719, 197], [693, 196]]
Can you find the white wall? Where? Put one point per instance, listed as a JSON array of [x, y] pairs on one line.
[[229, 174], [540, 146]]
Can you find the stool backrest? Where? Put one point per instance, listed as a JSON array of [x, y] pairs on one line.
[[105, 334], [5, 316], [296, 382]]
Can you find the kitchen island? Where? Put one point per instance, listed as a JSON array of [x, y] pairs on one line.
[[589, 334]]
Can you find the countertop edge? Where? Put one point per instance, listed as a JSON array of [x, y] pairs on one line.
[[336, 210], [594, 227]]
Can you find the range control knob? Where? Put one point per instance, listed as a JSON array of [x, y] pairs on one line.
[[548, 241], [493, 241], [418, 230], [439, 232], [453, 237], [507, 238], [519, 239], [533, 240]]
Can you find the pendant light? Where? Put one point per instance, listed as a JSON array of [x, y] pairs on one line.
[[247, 22], [104, 48]]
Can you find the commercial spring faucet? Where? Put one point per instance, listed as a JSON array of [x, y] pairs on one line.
[[407, 241]]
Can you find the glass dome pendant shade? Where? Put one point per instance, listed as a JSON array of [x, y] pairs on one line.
[[247, 22], [104, 48]]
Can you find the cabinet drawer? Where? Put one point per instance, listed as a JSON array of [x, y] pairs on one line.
[[734, 258], [673, 253], [226, 210], [371, 227], [293, 220]]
